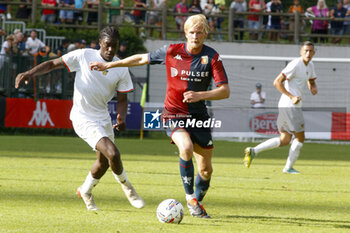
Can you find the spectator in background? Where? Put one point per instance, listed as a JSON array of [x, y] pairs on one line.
[[6, 9], [83, 44], [195, 7], [78, 16], [7, 50], [292, 9], [180, 8], [23, 11], [238, 20], [19, 43], [63, 48], [221, 4], [74, 46], [139, 15], [115, 16], [92, 16], [253, 20], [210, 11], [276, 7], [48, 15], [257, 98], [155, 17], [94, 45], [33, 44], [122, 51], [319, 26], [66, 16], [346, 5], [2, 32], [337, 27]]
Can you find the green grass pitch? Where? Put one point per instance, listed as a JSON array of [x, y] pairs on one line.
[[39, 176]]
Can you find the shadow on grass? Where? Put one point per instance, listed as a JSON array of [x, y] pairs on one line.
[[268, 220]]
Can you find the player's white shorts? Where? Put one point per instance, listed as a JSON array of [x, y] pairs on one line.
[[92, 131], [290, 120]]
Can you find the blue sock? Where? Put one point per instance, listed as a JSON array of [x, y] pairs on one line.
[[202, 187], [187, 175]]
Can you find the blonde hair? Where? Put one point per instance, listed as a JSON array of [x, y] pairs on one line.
[[197, 21], [318, 4]]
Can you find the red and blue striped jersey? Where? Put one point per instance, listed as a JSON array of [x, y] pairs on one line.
[[188, 72]]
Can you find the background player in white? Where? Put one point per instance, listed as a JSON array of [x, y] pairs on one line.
[[291, 82], [89, 114]]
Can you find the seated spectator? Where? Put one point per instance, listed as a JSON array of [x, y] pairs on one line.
[[276, 7], [6, 9], [253, 20], [195, 7], [33, 44], [23, 11], [155, 17], [346, 5], [78, 16], [181, 8], [138, 15], [115, 16], [319, 26], [48, 15], [66, 16], [292, 9], [92, 16], [337, 27], [238, 20]]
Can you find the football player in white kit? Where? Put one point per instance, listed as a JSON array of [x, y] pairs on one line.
[[89, 114], [291, 82]]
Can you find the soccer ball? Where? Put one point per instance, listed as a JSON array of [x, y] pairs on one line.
[[170, 211]]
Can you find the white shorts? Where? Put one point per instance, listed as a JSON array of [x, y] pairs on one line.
[[290, 120], [92, 131]]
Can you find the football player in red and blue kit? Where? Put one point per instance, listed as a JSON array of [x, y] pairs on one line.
[[190, 68]]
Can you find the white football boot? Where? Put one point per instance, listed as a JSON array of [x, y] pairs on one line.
[[88, 199], [134, 199]]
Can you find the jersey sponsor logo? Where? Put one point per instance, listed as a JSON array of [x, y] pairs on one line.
[[40, 115], [204, 60], [105, 72], [151, 120], [178, 57], [173, 72], [265, 123]]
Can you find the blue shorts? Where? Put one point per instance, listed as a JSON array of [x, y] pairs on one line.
[[337, 31], [274, 26], [66, 14], [347, 29], [202, 136]]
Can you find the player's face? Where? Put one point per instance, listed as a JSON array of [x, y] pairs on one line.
[[108, 48], [195, 37], [307, 52]]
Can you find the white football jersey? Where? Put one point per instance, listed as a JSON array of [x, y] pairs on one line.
[[94, 89], [297, 74]]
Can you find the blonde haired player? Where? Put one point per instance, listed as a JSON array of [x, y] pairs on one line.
[[291, 82], [190, 68]]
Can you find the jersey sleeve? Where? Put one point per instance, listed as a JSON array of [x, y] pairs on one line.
[[158, 56], [289, 71], [124, 84], [218, 70], [72, 59]]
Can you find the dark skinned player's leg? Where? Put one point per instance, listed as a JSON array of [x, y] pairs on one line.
[[100, 166], [111, 153]]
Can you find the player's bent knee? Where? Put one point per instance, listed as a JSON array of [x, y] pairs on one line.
[[206, 174]]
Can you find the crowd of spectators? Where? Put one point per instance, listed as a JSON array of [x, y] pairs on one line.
[[213, 9]]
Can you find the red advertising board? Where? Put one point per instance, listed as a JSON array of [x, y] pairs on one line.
[[43, 113]]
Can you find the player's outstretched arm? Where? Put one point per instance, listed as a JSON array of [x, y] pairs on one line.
[[43, 68], [134, 60], [312, 86], [278, 83], [222, 92]]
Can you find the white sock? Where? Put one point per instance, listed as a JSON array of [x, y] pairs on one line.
[[89, 183], [122, 178], [294, 151], [267, 145], [190, 196]]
